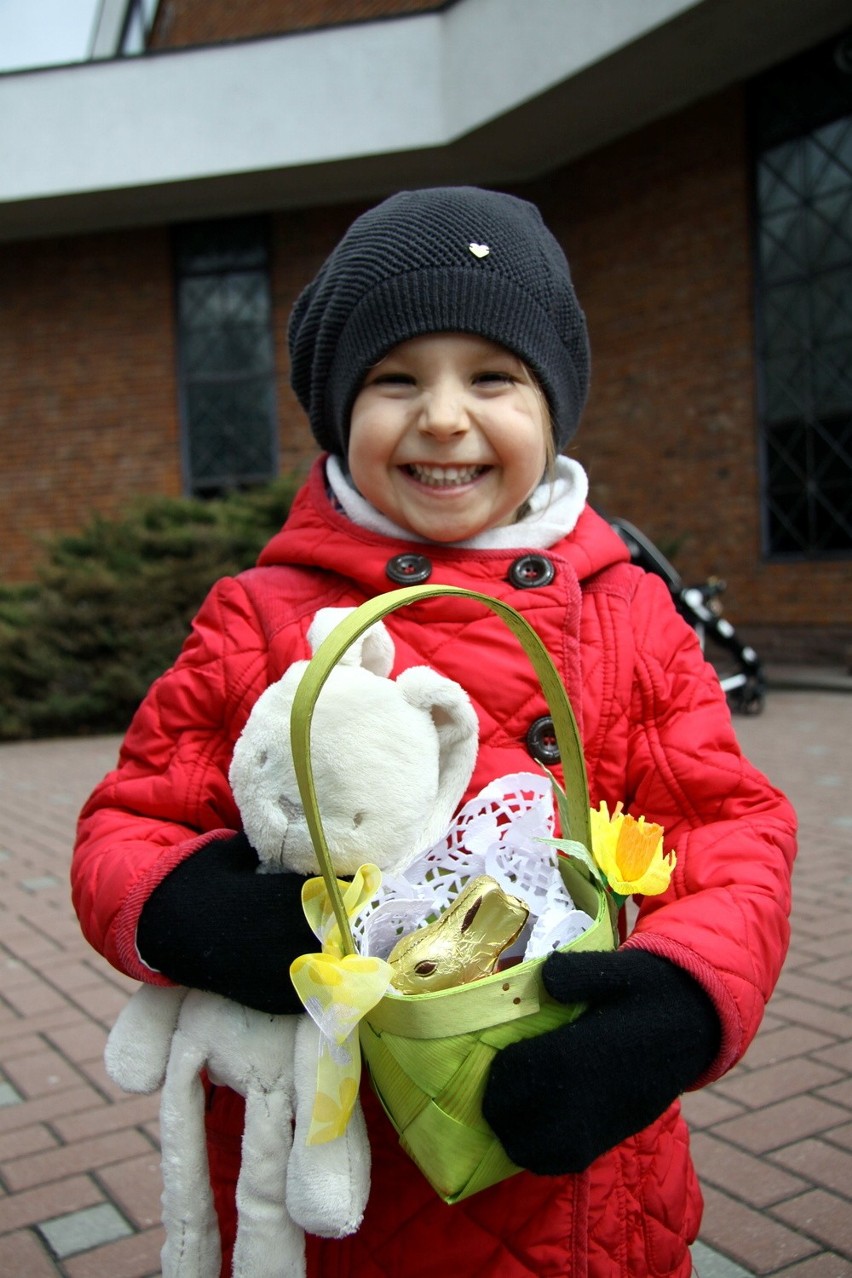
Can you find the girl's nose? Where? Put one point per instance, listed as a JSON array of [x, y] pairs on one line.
[[444, 412]]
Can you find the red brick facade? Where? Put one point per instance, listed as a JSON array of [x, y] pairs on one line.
[[656, 227], [180, 23], [88, 409]]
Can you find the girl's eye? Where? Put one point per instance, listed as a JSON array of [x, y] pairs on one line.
[[494, 378], [391, 379]]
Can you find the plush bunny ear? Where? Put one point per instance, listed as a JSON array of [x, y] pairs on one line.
[[457, 728], [374, 650]]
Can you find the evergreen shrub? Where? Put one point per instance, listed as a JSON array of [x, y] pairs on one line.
[[112, 605]]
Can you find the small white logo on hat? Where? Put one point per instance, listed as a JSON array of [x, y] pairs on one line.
[[479, 250]]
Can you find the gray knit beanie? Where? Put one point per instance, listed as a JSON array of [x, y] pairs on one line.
[[445, 259]]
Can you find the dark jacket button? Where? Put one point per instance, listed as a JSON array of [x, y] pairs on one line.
[[409, 570], [531, 570], [541, 740]]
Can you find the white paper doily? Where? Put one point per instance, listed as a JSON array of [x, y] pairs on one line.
[[500, 833]]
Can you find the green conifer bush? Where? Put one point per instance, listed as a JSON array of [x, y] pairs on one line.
[[112, 604]]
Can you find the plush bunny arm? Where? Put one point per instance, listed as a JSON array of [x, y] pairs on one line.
[[650, 1031], [215, 924], [139, 1043]]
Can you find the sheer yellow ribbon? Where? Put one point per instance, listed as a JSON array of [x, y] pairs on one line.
[[337, 990]]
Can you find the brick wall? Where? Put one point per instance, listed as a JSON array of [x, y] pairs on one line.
[[88, 414], [180, 23]]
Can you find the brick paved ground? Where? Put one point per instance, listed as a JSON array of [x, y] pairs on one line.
[[79, 1178]]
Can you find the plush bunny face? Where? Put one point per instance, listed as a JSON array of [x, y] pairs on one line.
[[391, 760]]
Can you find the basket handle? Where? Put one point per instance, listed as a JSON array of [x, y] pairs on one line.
[[345, 634]]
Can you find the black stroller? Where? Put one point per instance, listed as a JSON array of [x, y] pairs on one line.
[[737, 664]]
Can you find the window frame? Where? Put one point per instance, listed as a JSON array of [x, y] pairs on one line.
[[822, 100], [235, 479]]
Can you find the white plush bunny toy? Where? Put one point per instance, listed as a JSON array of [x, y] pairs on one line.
[[378, 803]]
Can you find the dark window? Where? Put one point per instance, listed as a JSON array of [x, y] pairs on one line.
[[801, 122], [225, 350]]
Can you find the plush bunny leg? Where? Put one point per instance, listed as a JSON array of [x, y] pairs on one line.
[[192, 1248], [327, 1185], [269, 1242], [139, 1043]]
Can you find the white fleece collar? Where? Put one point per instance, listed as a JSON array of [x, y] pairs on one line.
[[554, 509]]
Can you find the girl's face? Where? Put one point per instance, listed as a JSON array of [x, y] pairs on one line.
[[448, 436]]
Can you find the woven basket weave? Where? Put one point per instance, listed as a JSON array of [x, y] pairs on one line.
[[429, 1054]]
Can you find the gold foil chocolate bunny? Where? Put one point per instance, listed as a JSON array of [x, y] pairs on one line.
[[463, 944]]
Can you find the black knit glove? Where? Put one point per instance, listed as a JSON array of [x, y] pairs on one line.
[[214, 924], [558, 1101]]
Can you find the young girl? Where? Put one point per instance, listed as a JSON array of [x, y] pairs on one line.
[[442, 358]]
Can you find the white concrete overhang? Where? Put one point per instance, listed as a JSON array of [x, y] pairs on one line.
[[487, 91]]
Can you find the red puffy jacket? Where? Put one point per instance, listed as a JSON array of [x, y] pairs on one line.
[[657, 735]]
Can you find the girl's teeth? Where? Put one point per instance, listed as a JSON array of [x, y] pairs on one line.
[[445, 476]]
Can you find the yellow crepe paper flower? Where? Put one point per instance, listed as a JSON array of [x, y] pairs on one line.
[[630, 853], [626, 855]]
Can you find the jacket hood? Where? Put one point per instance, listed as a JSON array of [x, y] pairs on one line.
[[317, 535]]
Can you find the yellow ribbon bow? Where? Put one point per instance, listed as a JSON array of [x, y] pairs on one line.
[[337, 990]]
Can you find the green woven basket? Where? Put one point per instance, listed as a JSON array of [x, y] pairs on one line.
[[429, 1054]]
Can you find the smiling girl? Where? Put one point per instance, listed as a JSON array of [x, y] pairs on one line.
[[442, 358]]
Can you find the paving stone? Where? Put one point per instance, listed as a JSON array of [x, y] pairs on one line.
[[22, 1045], [833, 970], [41, 1072], [839, 1055], [824, 1019], [24, 1255], [43, 1108], [102, 1001], [828, 946], [8, 1095], [135, 1111], [73, 976], [775, 1082], [711, 1264], [820, 1162], [66, 1160], [13, 972], [84, 1230], [753, 1180], [32, 997], [20, 1210], [32, 944], [40, 883], [781, 1044], [766, 1129], [826, 1265], [32, 1023], [839, 1093], [82, 1042], [770, 1023], [823, 1215], [750, 1237], [137, 1256], [815, 991], [136, 1185], [842, 1136], [25, 1140], [708, 1107]]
